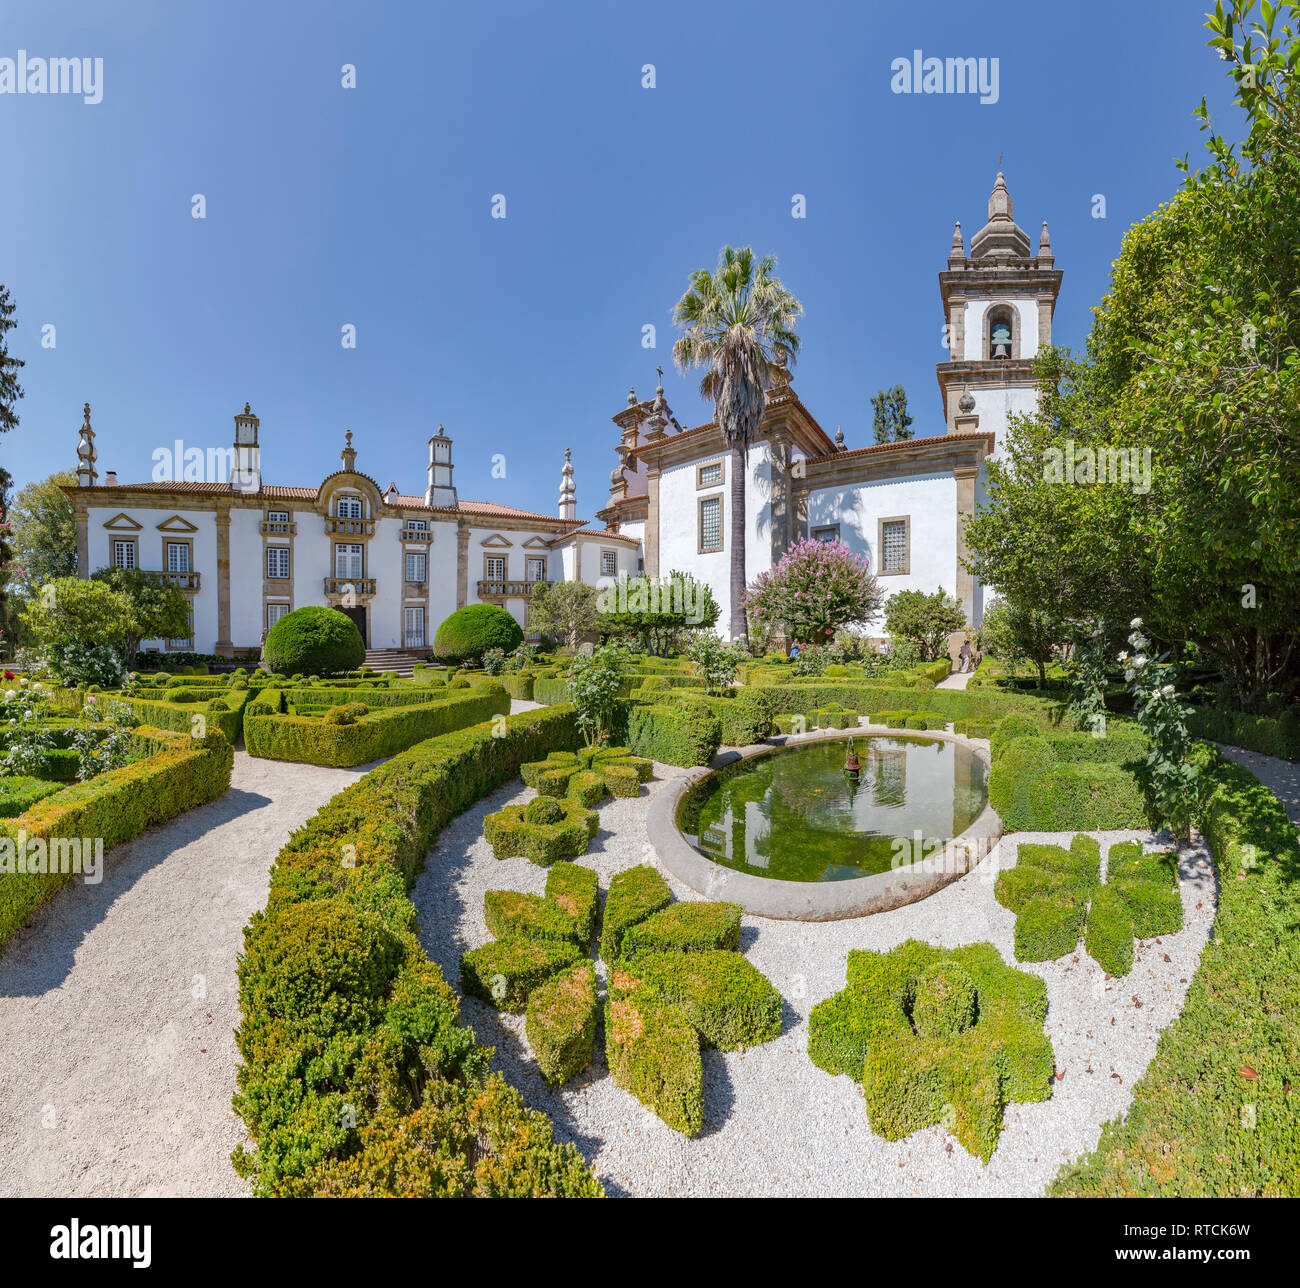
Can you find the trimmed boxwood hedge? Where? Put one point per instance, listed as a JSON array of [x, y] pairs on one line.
[[685, 928], [967, 1061], [633, 895], [542, 831], [165, 712], [430, 1119], [176, 774], [314, 641], [472, 630], [316, 741], [683, 733], [1217, 1111], [1065, 782], [560, 1023]]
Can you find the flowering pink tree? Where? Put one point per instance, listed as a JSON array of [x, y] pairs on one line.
[[817, 588]]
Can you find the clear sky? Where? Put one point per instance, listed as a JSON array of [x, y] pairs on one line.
[[372, 207]]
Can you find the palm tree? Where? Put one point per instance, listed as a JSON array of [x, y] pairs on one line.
[[738, 321]]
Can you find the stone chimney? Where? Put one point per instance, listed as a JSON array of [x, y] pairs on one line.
[[441, 491], [110, 478]]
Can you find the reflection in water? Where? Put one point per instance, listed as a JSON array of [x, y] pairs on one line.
[[793, 815]]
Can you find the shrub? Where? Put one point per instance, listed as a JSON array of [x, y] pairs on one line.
[[909, 1076], [1231, 1051], [560, 1023], [653, 1051], [528, 915], [634, 894], [514, 832], [685, 928], [574, 890], [732, 1004], [506, 971], [314, 639], [473, 630], [357, 734], [175, 774], [684, 733], [430, 1119], [589, 775]]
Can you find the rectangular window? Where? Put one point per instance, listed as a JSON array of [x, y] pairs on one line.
[[709, 475], [123, 554], [537, 570], [277, 516], [894, 545], [710, 524], [420, 525], [413, 627], [349, 507], [347, 561], [415, 567], [186, 641], [178, 557], [274, 612], [609, 563], [495, 567], [829, 533], [277, 562]]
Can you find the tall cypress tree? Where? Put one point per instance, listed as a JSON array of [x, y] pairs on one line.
[[890, 419]]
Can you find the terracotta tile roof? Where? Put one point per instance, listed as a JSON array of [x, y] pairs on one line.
[[275, 491], [594, 532], [930, 440]]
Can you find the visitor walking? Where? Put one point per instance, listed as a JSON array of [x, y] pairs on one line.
[[965, 656]]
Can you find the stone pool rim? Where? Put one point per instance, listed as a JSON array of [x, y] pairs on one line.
[[815, 900]]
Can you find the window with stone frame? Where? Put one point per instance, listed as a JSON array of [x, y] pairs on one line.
[[710, 524], [894, 546]]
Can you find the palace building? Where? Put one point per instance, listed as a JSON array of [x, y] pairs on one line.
[[245, 552]]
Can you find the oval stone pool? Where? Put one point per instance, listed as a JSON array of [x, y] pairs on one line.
[[793, 815]]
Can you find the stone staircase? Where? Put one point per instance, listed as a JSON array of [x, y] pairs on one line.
[[395, 661]]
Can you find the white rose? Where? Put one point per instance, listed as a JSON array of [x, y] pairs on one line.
[[1123, 657], [1135, 623], [1169, 688], [1140, 661], [1128, 675]]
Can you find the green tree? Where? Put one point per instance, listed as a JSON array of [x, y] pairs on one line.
[[927, 620], [10, 392], [737, 321], [1191, 374], [654, 612], [1022, 631], [45, 530], [70, 610], [157, 609], [565, 610], [595, 684], [889, 417]]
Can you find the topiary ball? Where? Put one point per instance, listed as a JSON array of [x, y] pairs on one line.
[[545, 809], [944, 1005], [313, 640], [471, 631]]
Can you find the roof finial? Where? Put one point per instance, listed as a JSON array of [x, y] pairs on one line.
[[86, 453], [839, 440], [348, 455], [568, 490]]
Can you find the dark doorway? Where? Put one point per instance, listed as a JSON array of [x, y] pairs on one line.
[[358, 615]]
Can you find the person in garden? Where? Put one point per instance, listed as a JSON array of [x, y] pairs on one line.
[[964, 654]]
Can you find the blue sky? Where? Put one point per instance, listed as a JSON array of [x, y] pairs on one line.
[[372, 207]]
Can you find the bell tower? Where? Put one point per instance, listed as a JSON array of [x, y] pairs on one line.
[[998, 303]]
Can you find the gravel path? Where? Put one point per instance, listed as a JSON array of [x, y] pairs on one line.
[[117, 1001], [955, 680], [774, 1123]]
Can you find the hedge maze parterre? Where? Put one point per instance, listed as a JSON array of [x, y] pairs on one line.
[[936, 1036], [675, 979]]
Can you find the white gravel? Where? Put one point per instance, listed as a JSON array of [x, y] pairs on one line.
[[775, 1124], [118, 1004]]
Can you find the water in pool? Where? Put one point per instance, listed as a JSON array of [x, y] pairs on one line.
[[793, 815]]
